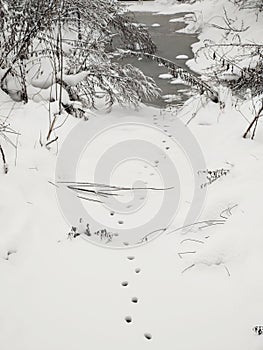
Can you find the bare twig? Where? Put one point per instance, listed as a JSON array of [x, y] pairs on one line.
[[227, 270], [176, 71], [145, 238], [52, 183], [188, 268], [183, 253], [50, 142], [16, 148], [90, 199], [208, 222], [51, 126], [254, 123], [228, 212], [191, 240], [4, 160]]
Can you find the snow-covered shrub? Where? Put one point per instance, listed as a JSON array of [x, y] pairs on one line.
[[231, 59], [177, 72], [237, 65], [72, 44], [249, 4]]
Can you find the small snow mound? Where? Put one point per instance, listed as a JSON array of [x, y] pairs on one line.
[[182, 57], [165, 76], [180, 19], [74, 79], [155, 25], [177, 81], [171, 98]]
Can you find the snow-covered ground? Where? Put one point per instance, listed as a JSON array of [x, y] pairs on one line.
[[58, 293]]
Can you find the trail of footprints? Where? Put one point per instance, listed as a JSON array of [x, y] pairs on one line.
[[166, 146], [164, 127], [134, 300]]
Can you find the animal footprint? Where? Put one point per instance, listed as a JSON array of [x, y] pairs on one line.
[[148, 336], [128, 319], [135, 300]]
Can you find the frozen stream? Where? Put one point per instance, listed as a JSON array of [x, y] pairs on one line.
[[170, 44]]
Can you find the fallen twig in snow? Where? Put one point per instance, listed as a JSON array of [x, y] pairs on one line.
[[145, 238], [102, 190], [90, 199], [188, 268], [112, 188], [52, 183], [227, 211], [94, 192], [191, 240], [208, 222], [183, 253], [227, 270]]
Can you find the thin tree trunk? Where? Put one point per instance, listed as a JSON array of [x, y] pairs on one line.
[[253, 123]]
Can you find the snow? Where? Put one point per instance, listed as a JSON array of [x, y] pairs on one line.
[[182, 57], [165, 76], [155, 25], [177, 81], [38, 94], [174, 20], [74, 79], [171, 98], [58, 293]]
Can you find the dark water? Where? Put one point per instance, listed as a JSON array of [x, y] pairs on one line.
[[169, 45]]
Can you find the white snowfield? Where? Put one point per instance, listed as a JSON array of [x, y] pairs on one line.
[[196, 290]]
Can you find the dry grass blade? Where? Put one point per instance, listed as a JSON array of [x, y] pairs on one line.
[[188, 268], [206, 222], [110, 187], [103, 190]]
